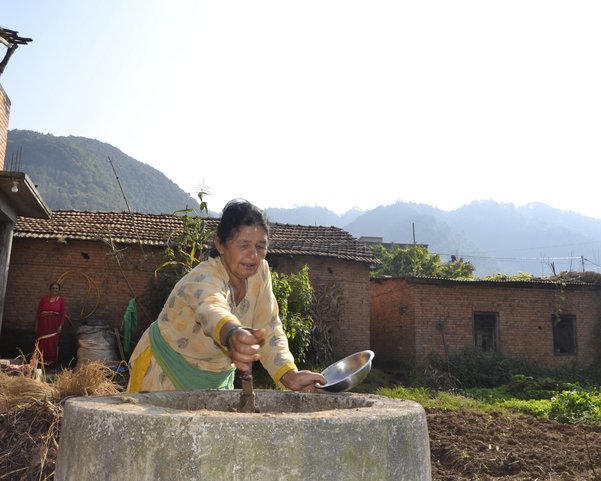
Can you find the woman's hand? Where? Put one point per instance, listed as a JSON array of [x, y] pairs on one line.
[[244, 346], [302, 380]]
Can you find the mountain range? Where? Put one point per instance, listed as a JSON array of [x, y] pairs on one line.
[[77, 173]]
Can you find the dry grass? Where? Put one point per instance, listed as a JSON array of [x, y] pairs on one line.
[[20, 391], [94, 379], [30, 416]]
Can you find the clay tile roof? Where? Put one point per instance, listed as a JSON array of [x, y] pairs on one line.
[[318, 241], [156, 229], [120, 227]]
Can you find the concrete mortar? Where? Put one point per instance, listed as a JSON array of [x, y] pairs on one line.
[[183, 435]]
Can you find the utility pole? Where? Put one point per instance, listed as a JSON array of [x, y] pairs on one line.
[[414, 249]]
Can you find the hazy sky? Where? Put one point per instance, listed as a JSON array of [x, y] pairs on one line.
[[340, 104]]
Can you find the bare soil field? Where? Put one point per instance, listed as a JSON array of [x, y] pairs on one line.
[[490, 447], [464, 446]]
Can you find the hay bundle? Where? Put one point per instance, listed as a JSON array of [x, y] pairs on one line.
[[21, 391], [30, 416], [93, 379]]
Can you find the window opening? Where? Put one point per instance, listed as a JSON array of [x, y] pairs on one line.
[[564, 339], [485, 331]]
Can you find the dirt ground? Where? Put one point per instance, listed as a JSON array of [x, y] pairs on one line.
[[490, 447], [464, 446]]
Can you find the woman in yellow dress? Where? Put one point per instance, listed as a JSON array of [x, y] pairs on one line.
[[220, 316]]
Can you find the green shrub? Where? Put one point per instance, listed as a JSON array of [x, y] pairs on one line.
[[494, 395], [535, 407], [294, 295], [429, 398], [184, 251], [473, 368], [576, 405], [527, 387]]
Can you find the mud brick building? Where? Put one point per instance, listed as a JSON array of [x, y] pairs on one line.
[[549, 323], [104, 259]]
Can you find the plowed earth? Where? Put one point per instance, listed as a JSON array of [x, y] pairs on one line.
[[490, 447]]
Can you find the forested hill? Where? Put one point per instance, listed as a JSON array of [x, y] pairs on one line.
[[74, 173]]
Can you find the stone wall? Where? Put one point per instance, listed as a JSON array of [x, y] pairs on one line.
[[411, 320]]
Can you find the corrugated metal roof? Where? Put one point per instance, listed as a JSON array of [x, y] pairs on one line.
[[531, 283], [157, 229]]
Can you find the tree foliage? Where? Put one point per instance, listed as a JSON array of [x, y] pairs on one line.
[[192, 245], [184, 251], [294, 295], [415, 260]]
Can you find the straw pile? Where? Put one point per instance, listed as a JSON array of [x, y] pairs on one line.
[[30, 417]]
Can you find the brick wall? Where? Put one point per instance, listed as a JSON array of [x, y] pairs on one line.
[[98, 288], [443, 314], [344, 284], [392, 326], [95, 282], [4, 115]]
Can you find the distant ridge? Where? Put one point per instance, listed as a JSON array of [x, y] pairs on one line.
[[495, 237], [73, 173]]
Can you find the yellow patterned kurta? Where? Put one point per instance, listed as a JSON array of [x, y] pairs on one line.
[[196, 310]]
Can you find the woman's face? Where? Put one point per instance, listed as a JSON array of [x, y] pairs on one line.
[[242, 254], [54, 289]]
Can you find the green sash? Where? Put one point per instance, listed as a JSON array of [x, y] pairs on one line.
[[184, 375]]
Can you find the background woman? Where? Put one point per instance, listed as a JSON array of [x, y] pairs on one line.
[[220, 316], [49, 319]]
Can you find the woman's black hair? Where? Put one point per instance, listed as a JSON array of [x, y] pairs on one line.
[[238, 213], [54, 284]]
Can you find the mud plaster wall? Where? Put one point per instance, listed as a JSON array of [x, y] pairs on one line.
[[524, 319]]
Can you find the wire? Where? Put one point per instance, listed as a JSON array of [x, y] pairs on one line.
[[543, 260], [591, 262], [547, 247], [91, 285], [520, 259]]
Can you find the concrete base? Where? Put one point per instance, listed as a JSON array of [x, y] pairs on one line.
[[171, 436]]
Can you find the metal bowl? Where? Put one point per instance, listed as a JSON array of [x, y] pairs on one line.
[[348, 372]]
